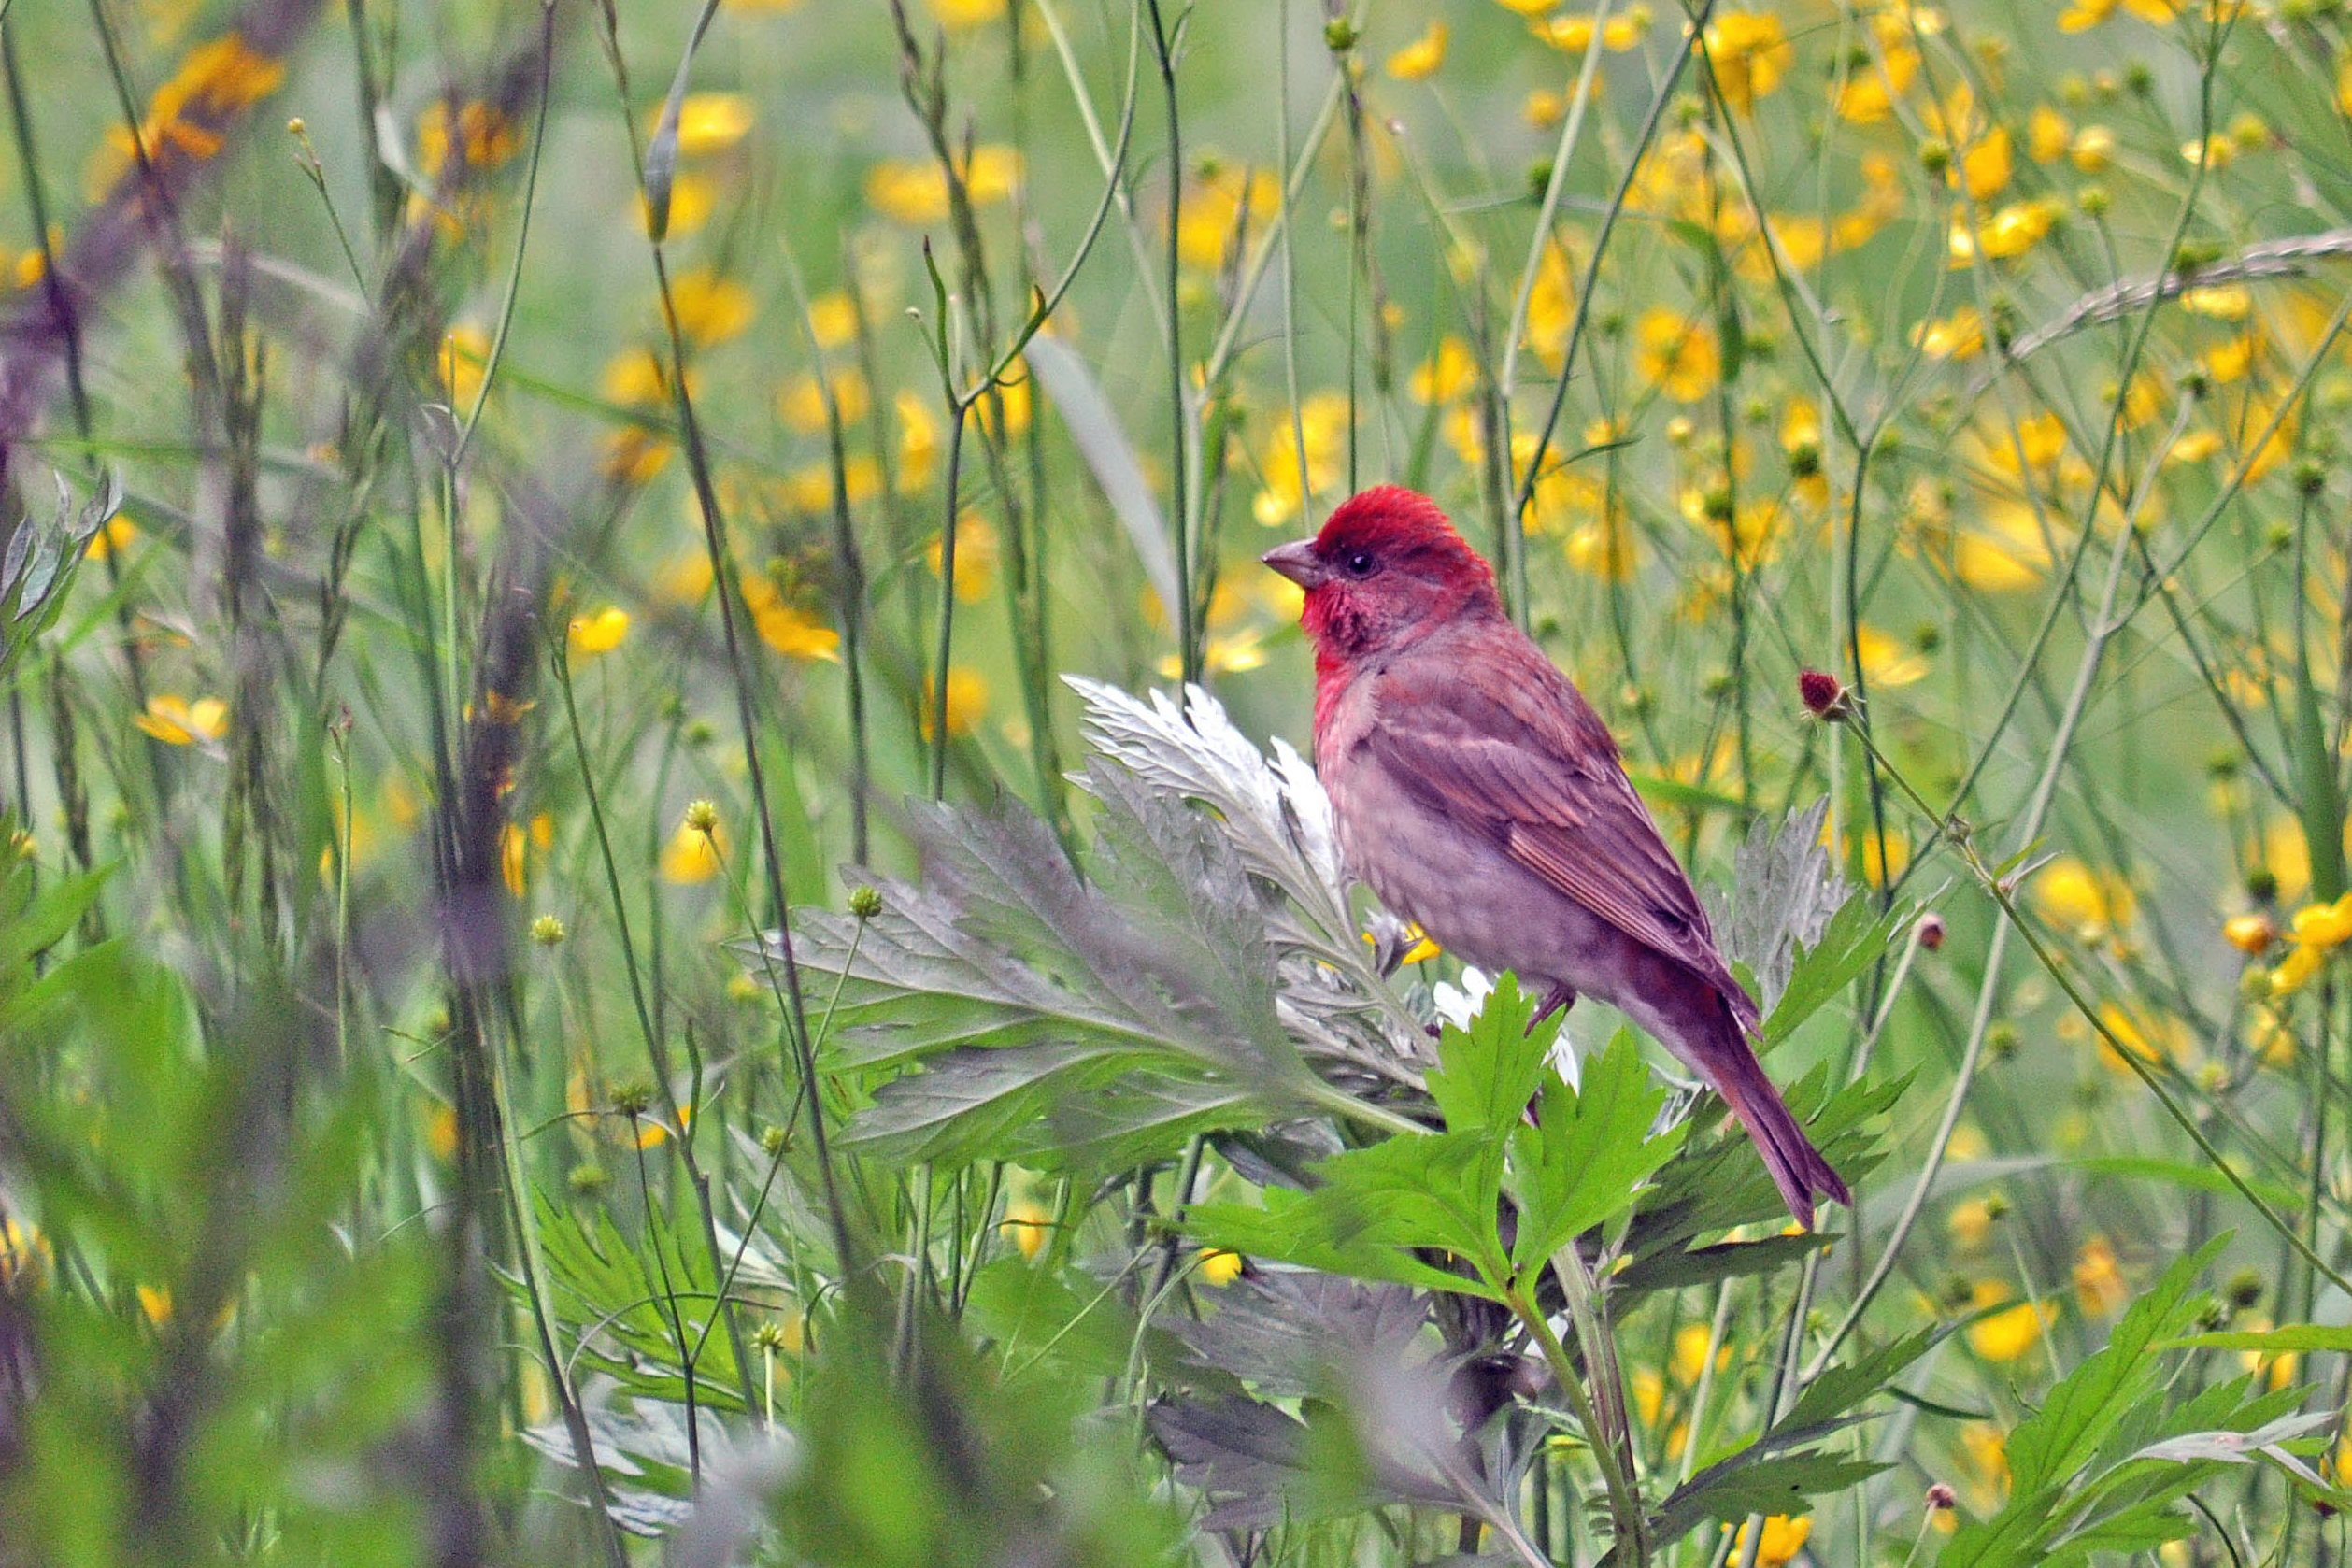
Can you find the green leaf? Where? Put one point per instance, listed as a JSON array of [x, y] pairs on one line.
[[2290, 1336], [1487, 1074], [966, 1103], [1376, 1209], [2116, 1396], [1857, 936], [1585, 1162], [2059, 1437]]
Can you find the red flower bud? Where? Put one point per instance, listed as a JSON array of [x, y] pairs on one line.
[[1824, 695], [1930, 931], [1941, 1496]]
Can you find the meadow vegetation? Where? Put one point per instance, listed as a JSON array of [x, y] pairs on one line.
[[658, 905]]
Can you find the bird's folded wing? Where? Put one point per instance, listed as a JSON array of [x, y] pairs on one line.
[[1536, 766]]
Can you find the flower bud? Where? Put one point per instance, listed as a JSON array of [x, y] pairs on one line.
[[866, 902], [1825, 696], [1932, 931]]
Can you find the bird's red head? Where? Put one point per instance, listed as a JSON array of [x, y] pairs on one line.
[[1385, 569]]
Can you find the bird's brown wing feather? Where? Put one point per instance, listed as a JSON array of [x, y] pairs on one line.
[[1534, 762]]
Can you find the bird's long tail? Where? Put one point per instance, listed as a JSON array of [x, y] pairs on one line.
[[1796, 1167]]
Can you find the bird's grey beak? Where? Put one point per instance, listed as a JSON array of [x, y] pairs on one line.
[[1298, 562]]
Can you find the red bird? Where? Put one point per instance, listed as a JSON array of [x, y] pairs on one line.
[[1478, 793]]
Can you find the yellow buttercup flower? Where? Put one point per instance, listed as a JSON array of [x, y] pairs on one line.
[[1750, 54], [1421, 58], [1217, 205], [118, 535], [1887, 662], [2295, 971], [1677, 354], [2323, 925], [977, 551], [712, 123], [967, 702], [1026, 1221], [599, 632], [832, 320], [2249, 933], [1778, 1545], [464, 356], [1446, 374], [2011, 231], [1960, 335], [711, 308], [801, 404], [2006, 1334], [1572, 34], [177, 721], [695, 853], [2100, 1289], [957, 15], [2089, 904], [1220, 1266]]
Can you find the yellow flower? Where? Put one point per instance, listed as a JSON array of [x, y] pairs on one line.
[[2011, 231], [1679, 355], [1572, 34], [2120, 1028], [1886, 660], [832, 320], [967, 701], [1750, 54], [1690, 1353], [186, 117], [711, 308], [2047, 134], [2230, 360], [917, 441], [2223, 301], [118, 535], [2295, 971], [2250, 934], [694, 854], [1551, 306], [464, 356], [1016, 399], [1604, 548], [1971, 1222], [1782, 1538], [2089, 904], [1421, 58], [1448, 374], [1872, 83], [1960, 335], [712, 123], [976, 554], [24, 1253], [1322, 429], [2098, 1287], [913, 191], [2006, 1334], [785, 627], [1027, 1223], [177, 721], [1216, 206], [600, 633], [960, 14], [486, 137], [2324, 925], [1544, 108], [801, 404], [1220, 1266]]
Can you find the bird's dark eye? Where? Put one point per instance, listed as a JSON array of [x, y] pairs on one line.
[[1358, 563]]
